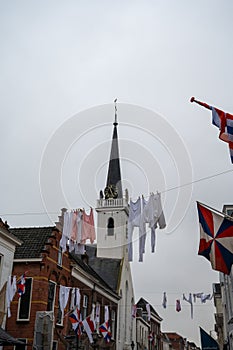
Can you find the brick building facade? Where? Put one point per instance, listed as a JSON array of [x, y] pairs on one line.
[[46, 269]]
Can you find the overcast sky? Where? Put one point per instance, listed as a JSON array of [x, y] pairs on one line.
[[62, 65]]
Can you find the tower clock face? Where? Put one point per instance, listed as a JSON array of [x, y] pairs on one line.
[[111, 192]]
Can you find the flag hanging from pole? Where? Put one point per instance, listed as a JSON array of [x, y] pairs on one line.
[[76, 321], [106, 332], [216, 238], [224, 121]]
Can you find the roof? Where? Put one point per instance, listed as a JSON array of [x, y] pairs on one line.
[[108, 269], [34, 240], [142, 304], [89, 270], [114, 169], [7, 339], [173, 336]]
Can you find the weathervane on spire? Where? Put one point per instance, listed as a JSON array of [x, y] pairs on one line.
[[115, 122]]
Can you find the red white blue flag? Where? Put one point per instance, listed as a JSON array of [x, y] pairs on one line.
[[105, 330], [21, 285], [224, 121], [89, 327], [76, 321], [216, 238]]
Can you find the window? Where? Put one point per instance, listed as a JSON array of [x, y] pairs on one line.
[[59, 257], [51, 295], [54, 347], [85, 305], [113, 325], [25, 301], [21, 347], [59, 320], [111, 227]]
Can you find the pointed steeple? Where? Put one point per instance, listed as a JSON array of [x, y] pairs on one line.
[[114, 169]]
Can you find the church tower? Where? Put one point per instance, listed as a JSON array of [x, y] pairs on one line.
[[112, 208]]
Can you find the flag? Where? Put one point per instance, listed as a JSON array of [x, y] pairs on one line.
[[105, 330], [21, 285], [207, 342], [76, 321], [216, 238], [89, 326], [224, 121]]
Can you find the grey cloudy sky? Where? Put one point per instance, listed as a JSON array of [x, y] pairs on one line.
[[62, 64]]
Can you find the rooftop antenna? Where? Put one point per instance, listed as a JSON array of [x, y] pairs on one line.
[[115, 122]]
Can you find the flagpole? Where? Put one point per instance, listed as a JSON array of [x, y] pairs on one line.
[[203, 104], [216, 211]]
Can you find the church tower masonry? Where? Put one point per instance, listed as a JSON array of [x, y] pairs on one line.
[[112, 208]]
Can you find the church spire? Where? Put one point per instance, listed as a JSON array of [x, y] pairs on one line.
[[114, 169]]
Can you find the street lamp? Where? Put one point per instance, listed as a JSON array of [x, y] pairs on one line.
[[132, 345]]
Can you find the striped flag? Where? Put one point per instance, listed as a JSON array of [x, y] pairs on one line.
[[89, 326], [76, 321]]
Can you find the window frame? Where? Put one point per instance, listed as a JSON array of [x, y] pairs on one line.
[[21, 300], [59, 257], [85, 306], [54, 295], [113, 324]]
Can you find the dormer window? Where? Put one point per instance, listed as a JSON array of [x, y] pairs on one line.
[[110, 227]]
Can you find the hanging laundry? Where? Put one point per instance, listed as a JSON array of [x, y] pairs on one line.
[[190, 301], [97, 314], [66, 231], [88, 228], [178, 305], [134, 311], [75, 298], [63, 298], [202, 296], [133, 221], [154, 216], [106, 314], [10, 292], [164, 302], [148, 312], [205, 297], [142, 232]]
